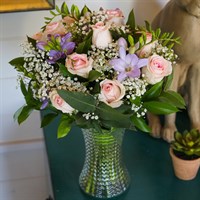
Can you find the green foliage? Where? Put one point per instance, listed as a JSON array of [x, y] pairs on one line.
[[84, 46], [78, 100], [187, 142], [48, 118], [64, 126], [31, 103], [140, 123], [160, 108], [23, 113], [131, 20], [154, 91], [173, 98], [93, 75], [112, 117]]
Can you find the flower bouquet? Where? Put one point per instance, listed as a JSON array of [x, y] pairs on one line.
[[97, 71]]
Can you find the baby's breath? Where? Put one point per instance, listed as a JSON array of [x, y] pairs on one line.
[[45, 76]]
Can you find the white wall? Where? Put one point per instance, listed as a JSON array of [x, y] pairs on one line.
[[13, 29]]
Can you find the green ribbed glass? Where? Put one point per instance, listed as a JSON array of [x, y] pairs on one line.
[[104, 174]]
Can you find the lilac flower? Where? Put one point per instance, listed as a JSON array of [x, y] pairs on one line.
[[40, 45], [54, 55], [45, 103], [58, 47], [128, 65], [122, 42], [66, 45]]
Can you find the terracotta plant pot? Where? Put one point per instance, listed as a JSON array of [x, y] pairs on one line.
[[184, 169]]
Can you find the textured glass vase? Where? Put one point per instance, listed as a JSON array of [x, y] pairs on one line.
[[104, 174]]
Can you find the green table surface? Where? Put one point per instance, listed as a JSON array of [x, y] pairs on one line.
[[147, 159]]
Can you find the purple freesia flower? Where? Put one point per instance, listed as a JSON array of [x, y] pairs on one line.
[[54, 55], [58, 46], [122, 42], [45, 103], [41, 45], [128, 65]]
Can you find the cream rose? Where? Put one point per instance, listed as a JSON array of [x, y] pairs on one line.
[[38, 36], [59, 103], [101, 35], [68, 21], [79, 64], [115, 16], [156, 69], [55, 28], [146, 50], [112, 92], [51, 29]]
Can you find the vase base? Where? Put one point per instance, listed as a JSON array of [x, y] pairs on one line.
[[116, 197]]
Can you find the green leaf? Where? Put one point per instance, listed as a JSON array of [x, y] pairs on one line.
[[47, 119], [32, 41], [24, 114], [53, 13], [168, 81], [75, 11], [17, 61], [47, 18], [113, 116], [23, 88], [148, 26], [131, 20], [63, 70], [58, 9], [85, 10], [154, 91], [158, 32], [161, 108], [65, 9], [140, 123], [174, 98], [84, 46], [96, 126], [82, 122], [64, 126], [93, 75], [78, 100], [17, 113]]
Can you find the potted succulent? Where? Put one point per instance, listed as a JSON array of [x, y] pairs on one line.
[[185, 154]]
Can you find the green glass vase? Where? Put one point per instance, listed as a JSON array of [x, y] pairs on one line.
[[104, 174]]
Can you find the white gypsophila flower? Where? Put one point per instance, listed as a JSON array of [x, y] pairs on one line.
[[135, 87], [101, 57]]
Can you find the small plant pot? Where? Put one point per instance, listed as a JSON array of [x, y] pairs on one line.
[[184, 169]]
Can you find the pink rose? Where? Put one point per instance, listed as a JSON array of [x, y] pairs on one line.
[[101, 35], [115, 16], [59, 103], [111, 92], [156, 69], [79, 64], [146, 50]]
